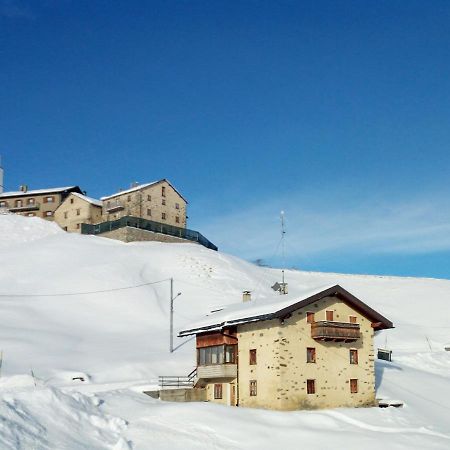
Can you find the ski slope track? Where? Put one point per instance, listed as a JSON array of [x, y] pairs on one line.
[[117, 339]]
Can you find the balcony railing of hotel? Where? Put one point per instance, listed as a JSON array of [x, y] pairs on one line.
[[148, 225], [114, 207], [25, 207], [335, 331]]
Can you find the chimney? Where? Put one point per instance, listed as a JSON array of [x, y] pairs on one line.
[[23, 188], [246, 296]]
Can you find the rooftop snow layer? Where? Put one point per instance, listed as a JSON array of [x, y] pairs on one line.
[[252, 310], [88, 199], [37, 191], [133, 189]]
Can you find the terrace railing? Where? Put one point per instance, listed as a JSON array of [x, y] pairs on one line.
[[149, 225]]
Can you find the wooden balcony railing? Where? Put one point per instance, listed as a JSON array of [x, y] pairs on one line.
[[335, 331]]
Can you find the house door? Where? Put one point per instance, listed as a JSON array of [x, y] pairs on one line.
[[232, 395]]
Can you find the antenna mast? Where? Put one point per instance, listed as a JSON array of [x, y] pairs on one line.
[[283, 251]]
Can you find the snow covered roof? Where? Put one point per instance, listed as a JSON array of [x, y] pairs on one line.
[[41, 191], [142, 186], [253, 311], [91, 200]]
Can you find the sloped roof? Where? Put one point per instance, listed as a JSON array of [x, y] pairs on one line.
[[91, 200], [255, 311], [142, 186], [41, 191]]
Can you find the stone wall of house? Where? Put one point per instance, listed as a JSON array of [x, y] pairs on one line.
[[130, 234], [74, 211], [282, 372], [149, 203]]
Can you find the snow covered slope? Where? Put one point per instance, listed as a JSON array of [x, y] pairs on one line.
[[117, 339]]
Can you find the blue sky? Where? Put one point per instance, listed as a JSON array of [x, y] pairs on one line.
[[336, 112]]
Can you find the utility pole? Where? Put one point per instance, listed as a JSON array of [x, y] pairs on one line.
[[172, 298]]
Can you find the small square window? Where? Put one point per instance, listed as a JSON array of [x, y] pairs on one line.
[[353, 386], [163, 216], [48, 213], [252, 354], [253, 388], [149, 212], [71, 200], [78, 211], [163, 201], [78, 226], [310, 386], [49, 199], [149, 198], [310, 355], [310, 317], [177, 206], [330, 315], [217, 391], [352, 319], [129, 198], [177, 219], [65, 215]]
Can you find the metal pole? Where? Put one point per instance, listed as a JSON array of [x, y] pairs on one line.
[[171, 315]]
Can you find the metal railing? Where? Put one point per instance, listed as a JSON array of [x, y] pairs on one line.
[[149, 225], [175, 381]]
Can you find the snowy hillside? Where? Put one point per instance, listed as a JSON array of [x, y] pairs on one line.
[[74, 305]]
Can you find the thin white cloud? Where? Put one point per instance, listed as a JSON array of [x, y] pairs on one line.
[[318, 226]]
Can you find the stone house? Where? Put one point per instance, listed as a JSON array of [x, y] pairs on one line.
[[36, 203], [77, 209], [310, 351], [158, 201]]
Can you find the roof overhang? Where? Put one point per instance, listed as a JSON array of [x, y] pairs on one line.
[[379, 322]]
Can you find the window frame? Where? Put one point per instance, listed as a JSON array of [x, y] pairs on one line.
[[353, 355], [252, 357], [310, 317], [354, 385], [311, 355], [352, 319], [310, 386], [253, 388], [329, 313], [218, 391]]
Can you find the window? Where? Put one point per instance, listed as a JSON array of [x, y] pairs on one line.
[[177, 206], [2, 204], [217, 354], [163, 191], [352, 319], [129, 198], [71, 201], [48, 214], [30, 201], [78, 211], [217, 391], [353, 386], [253, 388], [310, 386], [149, 212], [163, 201], [19, 203], [329, 315], [353, 356], [30, 214], [149, 198], [78, 226], [310, 317], [163, 216], [49, 199], [177, 219], [65, 215], [310, 355], [252, 354]]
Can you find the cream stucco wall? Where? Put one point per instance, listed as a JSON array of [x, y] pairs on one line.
[[281, 370], [138, 204], [74, 211], [227, 386]]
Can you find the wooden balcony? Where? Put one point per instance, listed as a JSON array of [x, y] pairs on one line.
[[335, 331], [217, 371], [25, 207]]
